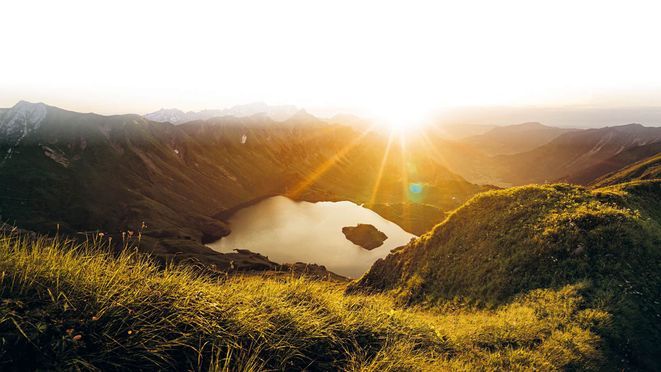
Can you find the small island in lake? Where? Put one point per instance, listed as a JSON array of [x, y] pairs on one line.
[[364, 235]]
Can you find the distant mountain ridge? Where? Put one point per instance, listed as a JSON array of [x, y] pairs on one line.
[[461, 131], [176, 116], [512, 139], [572, 153]]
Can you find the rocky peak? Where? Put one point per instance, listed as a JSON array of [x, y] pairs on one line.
[[19, 120]]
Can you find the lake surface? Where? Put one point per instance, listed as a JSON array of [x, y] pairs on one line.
[[287, 231]]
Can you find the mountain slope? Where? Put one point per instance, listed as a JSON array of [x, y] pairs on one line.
[[646, 169], [623, 159], [572, 153], [512, 139], [503, 243], [77, 172]]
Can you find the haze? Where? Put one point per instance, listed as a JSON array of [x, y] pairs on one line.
[[399, 61]]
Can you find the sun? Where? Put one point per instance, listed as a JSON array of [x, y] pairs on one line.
[[403, 122], [401, 116]]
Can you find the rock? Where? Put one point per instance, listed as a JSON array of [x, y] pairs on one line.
[[312, 271], [364, 235]]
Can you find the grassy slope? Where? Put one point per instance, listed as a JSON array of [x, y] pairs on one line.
[[503, 243], [75, 307]]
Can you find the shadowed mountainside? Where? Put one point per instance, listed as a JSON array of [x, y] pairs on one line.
[[533, 153], [646, 169], [623, 159], [573, 153], [78, 172]]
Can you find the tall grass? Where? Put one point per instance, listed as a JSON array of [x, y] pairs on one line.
[[77, 306]]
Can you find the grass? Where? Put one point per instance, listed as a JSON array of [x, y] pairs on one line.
[[77, 306], [507, 242]]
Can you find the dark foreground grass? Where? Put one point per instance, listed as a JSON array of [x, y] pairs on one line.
[[68, 306]]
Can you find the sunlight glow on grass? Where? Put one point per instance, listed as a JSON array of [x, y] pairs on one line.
[[67, 306]]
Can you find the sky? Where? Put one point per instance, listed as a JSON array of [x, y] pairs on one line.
[[397, 60]]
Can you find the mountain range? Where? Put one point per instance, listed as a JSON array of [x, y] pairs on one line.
[[176, 116], [577, 153], [533, 153], [542, 276], [80, 172], [512, 139]]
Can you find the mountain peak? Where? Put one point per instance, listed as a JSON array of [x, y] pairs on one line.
[[531, 124], [630, 125], [172, 115], [302, 116], [23, 114], [177, 116], [26, 105]]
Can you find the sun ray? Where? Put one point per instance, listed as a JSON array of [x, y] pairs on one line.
[[379, 175], [326, 165], [406, 217], [429, 147], [440, 158]]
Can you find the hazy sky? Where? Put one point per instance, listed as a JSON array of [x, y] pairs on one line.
[[390, 59]]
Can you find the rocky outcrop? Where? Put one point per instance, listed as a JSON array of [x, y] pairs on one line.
[[364, 235]]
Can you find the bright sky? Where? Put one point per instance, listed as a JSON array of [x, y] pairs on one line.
[[397, 60]]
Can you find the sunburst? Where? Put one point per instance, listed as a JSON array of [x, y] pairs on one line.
[[379, 176], [326, 166]]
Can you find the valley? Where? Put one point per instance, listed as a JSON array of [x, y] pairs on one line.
[[359, 186], [254, 215], [116, 173]]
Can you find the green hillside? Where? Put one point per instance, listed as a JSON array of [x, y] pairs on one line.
[[75, 307], [504, 243]]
